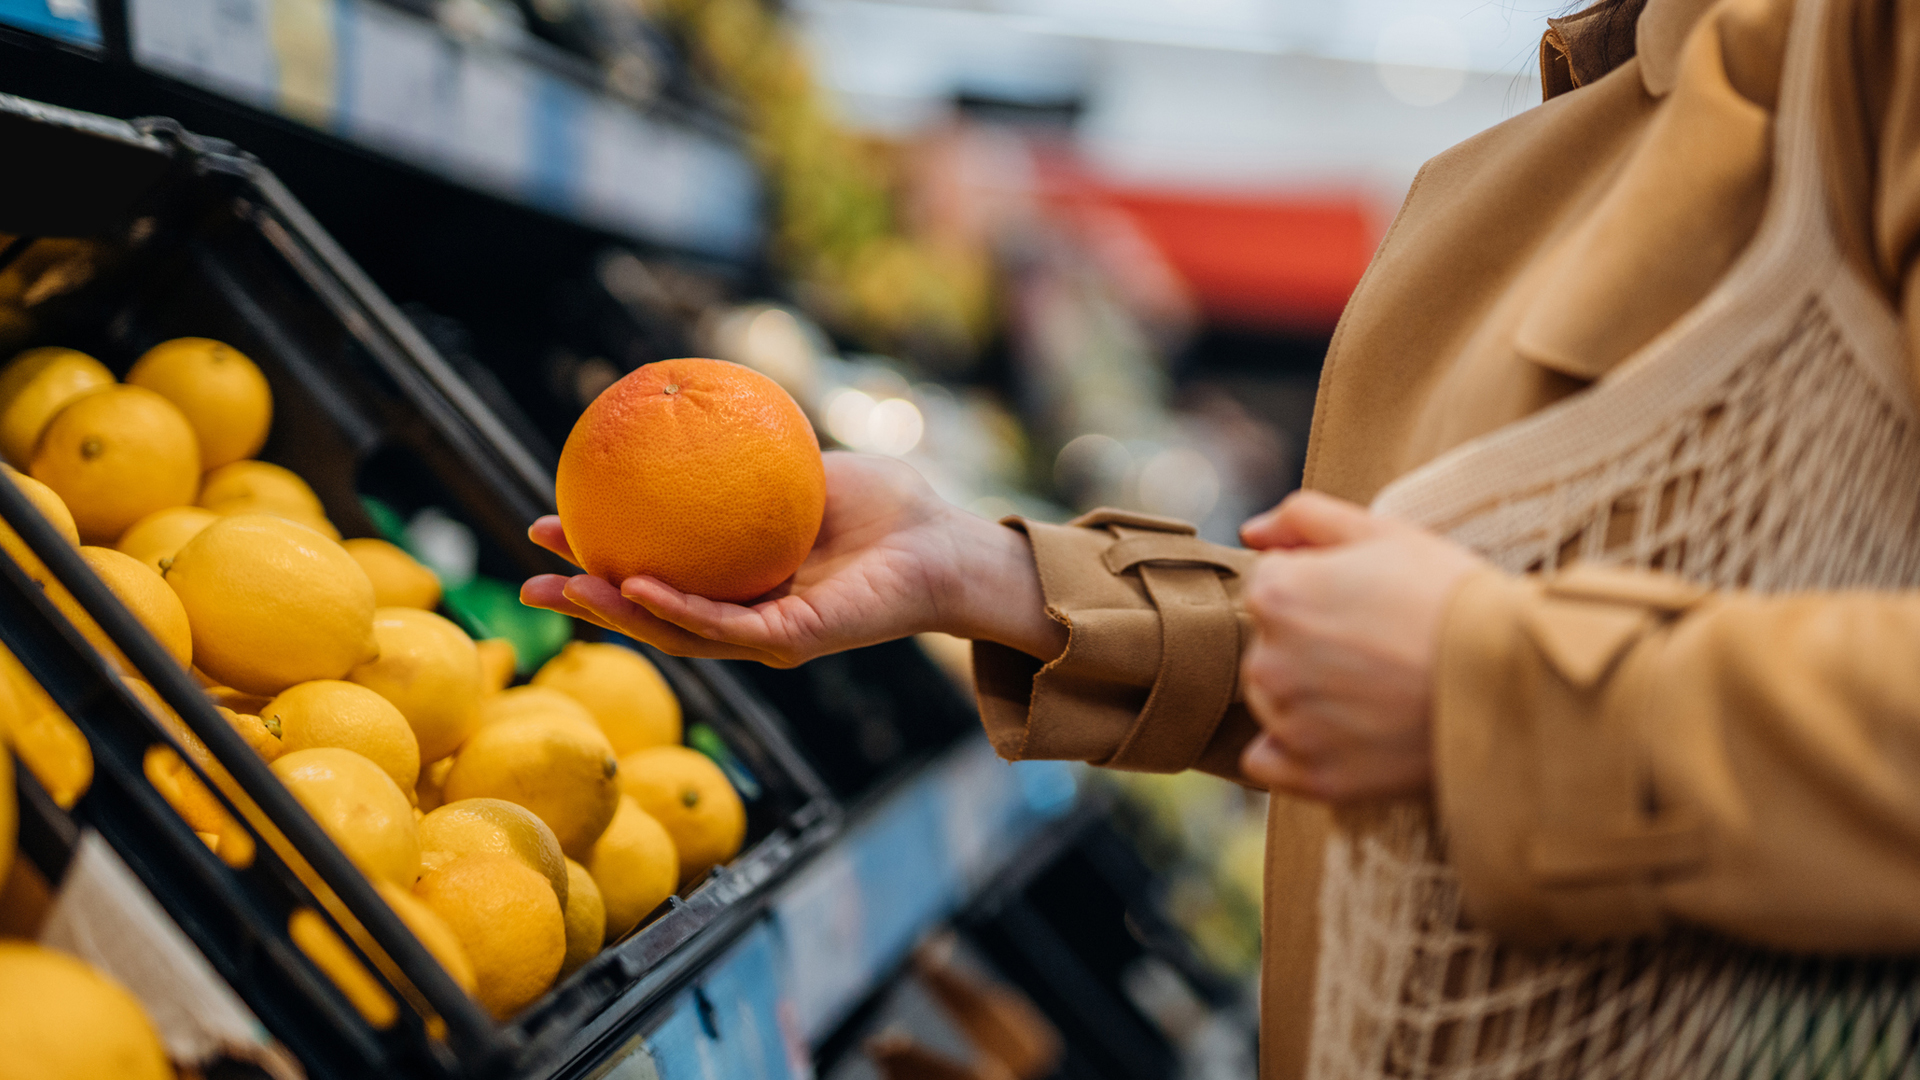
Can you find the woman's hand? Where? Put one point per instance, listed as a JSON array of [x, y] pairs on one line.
[[1346, 611], [892, 559]]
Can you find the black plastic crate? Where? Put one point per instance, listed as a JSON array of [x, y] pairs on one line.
[[191, 237]]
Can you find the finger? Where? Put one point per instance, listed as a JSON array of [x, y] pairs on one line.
[[626, 617], [548, 591], [760, 627], [548, 533], [1311, 519], [1265, 761]]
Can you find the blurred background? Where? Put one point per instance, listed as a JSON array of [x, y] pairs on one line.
[[1057, 254]]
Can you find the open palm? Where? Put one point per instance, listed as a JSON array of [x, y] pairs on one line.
[[882, 567]]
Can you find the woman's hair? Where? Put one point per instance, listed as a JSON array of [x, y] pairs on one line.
[[1601, 34]]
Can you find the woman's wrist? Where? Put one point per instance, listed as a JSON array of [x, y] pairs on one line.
[[992, 591]]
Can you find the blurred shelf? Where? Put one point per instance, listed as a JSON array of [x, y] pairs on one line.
[[845, 922], [525, 124]]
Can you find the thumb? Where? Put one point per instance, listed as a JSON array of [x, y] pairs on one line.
[[1311, 519]]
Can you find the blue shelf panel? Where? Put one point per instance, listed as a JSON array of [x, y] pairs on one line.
[[73, 21], [488, 119]]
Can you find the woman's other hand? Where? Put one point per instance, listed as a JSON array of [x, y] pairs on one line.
[[1346, 610], [892, 559]]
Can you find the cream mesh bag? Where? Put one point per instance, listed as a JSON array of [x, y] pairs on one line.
[[1768, 441]]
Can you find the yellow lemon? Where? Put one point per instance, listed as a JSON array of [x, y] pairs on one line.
[[635, 865], [427, 793], [470, 825], [430, 670], [258, 484], [144, 593], [330, 712], [398, 578], [525, 701], [497, 663], [51, 508], [221, 392], [35, 386], [694, 800], [586, 918], [564, 773], [228, 697], [317, 522], [507, 919], [253, 729], [155, 538], [272, 604], [62, 1020], [116, 455], [432, 931], [627, 696], [360, 807], [54, 750]]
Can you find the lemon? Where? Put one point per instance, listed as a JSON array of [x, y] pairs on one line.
[[430, 670], [470, 825], [627, 696], [155, 538], [635, 865], [272, 604], [586, 918], [428, 796], [497, 663], [48, 744], [228, 697], [507, 919], [257, 484], [330, 712], [143, 592], [689, 795], [432, 931], [317, 522], [359, 806], [253, 729], [221, 392], [116, 455], [35, 386], [62, 1020], [51, 508], [398, 579], [564, 773], [525, 701]]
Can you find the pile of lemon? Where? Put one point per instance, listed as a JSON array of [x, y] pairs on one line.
[[516, 830]]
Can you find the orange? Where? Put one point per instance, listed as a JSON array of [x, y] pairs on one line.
[[701, 473], [116, 455]]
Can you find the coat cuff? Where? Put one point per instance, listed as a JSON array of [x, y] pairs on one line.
[[1150, 672], [1542, 772]]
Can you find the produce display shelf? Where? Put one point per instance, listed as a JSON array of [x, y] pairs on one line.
[[190, 237], [522, 124], [844, 923]]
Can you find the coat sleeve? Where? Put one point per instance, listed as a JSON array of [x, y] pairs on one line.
[[1149, 678], [1619, 750]]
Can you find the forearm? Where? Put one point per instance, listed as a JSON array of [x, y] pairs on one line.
[[991, 590]]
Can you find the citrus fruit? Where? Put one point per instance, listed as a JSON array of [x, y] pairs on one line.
[[471, 825], [253, 729], [228, 697], [536, 701], [689, 794], [221, 392], [183, 789], [330, 712], [508, 920], [627, 696], [701, 473], [430, 670], [116, 455], [398, 579], [155, 538], [498, 660], [432, 931], [272, 603], [144, 593], [48, 744], [360, 807], [256, 484], [51, 508], [635, 865], [315, 937], [62, 1020], [37, 384], [427, 794], [563, 772], [586, 918]]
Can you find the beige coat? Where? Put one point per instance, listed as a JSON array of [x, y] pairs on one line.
[[1525, 264]]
